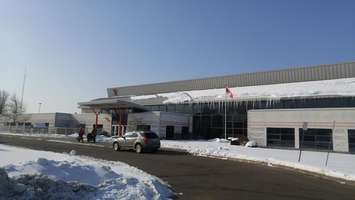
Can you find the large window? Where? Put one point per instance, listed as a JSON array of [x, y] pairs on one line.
[[212, 125], [143, 127], [280, 137], [351, 135], [316, 139]]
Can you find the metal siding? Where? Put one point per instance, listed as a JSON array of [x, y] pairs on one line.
[[314, 73]]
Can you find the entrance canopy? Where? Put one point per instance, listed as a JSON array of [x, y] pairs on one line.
[[111, 103]]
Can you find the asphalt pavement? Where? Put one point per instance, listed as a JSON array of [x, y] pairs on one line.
[[193, 177]]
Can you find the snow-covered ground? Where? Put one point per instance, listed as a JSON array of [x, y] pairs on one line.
[[47, 175], [339, 165]]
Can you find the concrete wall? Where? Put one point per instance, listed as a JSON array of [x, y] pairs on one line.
[[158, 121], [35, 118], [259, 120]]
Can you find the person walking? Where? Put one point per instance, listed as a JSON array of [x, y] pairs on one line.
[[81, 134], [94, 132]]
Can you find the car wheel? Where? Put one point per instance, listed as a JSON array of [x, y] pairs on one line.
[[116, 146], [139, 148]]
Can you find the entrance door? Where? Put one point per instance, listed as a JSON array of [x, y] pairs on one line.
[[98, 128], [169, 132], [185, 132], [351, 135]]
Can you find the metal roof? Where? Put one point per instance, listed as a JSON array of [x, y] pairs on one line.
[[312, 73], [111, 103]]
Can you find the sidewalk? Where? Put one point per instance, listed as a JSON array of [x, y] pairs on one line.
[[340, 165]]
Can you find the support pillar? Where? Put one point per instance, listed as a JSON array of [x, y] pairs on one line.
[[96, 119]]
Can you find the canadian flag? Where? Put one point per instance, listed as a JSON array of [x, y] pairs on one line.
[[229, 93]]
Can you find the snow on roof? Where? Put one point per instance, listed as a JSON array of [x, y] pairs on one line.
[[336, 87]]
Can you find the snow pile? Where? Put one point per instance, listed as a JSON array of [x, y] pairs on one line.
[[251, 144], [336, 87], [339, 165], [219, 140], [41, 187], [74, 177]]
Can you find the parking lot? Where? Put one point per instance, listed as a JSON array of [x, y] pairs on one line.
[[194, 177]]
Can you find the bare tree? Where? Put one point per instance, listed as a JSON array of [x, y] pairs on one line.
[[15, 108], [4, 96]]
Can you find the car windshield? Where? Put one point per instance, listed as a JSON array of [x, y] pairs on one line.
[[150, 135]]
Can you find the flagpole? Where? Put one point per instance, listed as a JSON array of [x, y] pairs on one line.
[[227, 94], [225, 119]]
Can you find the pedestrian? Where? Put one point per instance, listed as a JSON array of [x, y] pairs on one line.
[[81, 134], [93, 132]]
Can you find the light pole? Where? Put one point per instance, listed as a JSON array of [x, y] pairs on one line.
[[39, 107], [304, 128]]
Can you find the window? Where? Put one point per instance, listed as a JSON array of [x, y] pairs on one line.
[[280, 137], [131, 135], [316, 139], [150, 135], [143, 127], [155, 108], [171, 108]]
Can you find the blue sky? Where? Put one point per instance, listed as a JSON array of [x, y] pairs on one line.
[[74, 50]]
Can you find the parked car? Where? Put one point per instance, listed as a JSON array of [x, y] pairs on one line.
[[137, 140]]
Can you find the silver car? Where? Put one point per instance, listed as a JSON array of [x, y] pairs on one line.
[[137, 140]]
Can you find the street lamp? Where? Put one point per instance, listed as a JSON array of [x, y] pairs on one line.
[[304, 128], [39, 107]]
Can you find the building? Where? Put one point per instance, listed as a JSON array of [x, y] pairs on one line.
[[314, 128], [210, 113], [59, 123]]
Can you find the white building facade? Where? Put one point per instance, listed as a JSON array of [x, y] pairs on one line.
[[314, 128]]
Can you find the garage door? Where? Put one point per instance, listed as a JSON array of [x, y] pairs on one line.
[[280, 137], [320, 139], [351, 134]]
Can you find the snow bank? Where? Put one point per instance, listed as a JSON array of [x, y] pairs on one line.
[[336, 87], [101, 179], [339, 165], [28, 187]]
